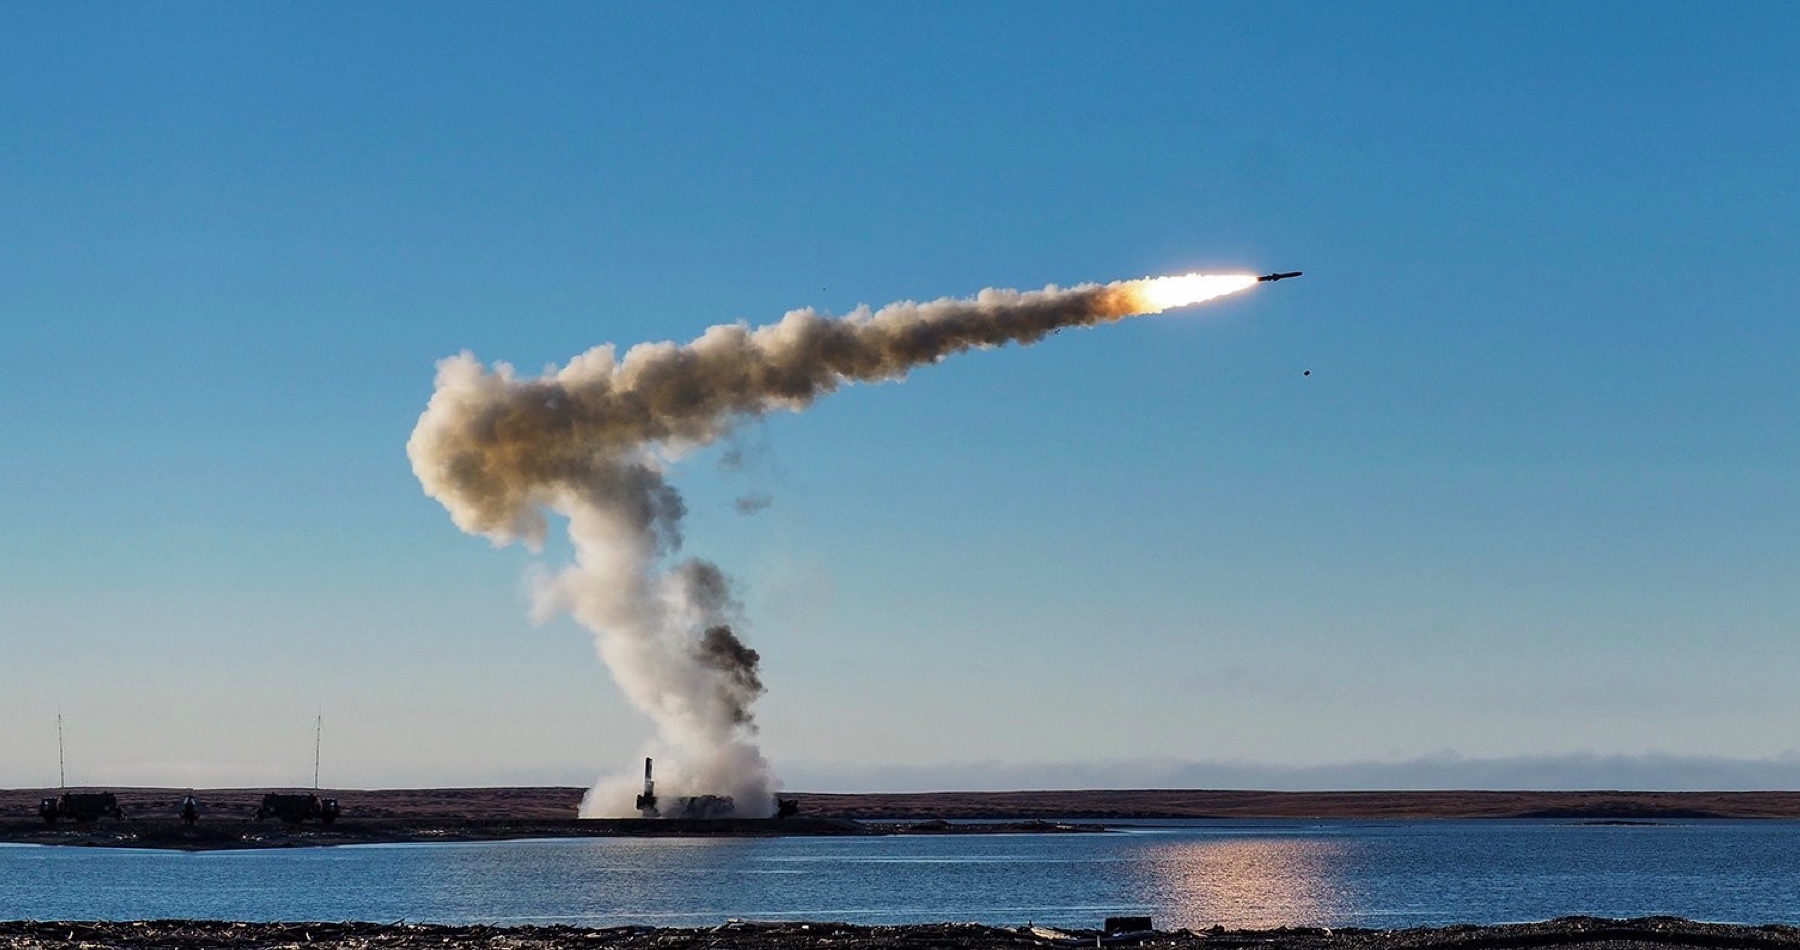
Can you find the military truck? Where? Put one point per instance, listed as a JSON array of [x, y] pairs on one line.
[[80, 807], [294, 809]]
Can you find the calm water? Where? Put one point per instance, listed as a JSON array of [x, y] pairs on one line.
[[1184, 874]]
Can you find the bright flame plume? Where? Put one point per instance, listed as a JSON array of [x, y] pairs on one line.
[[1166, 293]]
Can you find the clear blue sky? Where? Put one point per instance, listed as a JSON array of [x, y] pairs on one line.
[[1536, 502]]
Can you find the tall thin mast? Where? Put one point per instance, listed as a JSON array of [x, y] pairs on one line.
[[318, 731], [62, 768]]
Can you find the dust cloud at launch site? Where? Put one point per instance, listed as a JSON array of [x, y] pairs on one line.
[[590, 441]]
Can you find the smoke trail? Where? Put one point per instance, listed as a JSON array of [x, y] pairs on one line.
[[588, 441]]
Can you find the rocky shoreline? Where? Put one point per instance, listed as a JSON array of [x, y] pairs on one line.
[[227, 816], [240, 834], [1589, 933]]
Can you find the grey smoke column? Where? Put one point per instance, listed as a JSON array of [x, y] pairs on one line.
[[588, 441]]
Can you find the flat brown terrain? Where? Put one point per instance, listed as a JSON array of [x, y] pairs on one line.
[[1589, 933], [555, 803], [227, 821], [545, 803], [1100, 804]]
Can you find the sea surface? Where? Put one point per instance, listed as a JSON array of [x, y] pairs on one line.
[[1183, 874]]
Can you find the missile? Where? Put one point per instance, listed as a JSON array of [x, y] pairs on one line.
[[646, 803], [1271, 278]]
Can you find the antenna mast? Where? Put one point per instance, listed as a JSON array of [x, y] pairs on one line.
[[318, 732], [62, 768]]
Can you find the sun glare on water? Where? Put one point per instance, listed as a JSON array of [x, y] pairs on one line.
[[1167, 293]]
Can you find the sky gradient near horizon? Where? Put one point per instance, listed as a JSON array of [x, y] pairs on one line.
[[1537, 501]]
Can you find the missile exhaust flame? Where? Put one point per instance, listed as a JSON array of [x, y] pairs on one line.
[[1166, 293], [590, 440]]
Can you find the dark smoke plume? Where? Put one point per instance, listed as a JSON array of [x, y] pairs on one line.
[[723, 651]]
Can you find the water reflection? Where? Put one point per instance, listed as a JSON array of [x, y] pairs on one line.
[[1248, 882], [1236, 874]]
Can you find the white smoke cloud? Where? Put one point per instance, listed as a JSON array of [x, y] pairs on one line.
[[589, 441]]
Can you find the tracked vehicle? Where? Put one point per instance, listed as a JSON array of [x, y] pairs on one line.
[[294, 809], [81, 807]]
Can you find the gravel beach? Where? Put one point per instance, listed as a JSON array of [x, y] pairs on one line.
[[1590, 933]]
